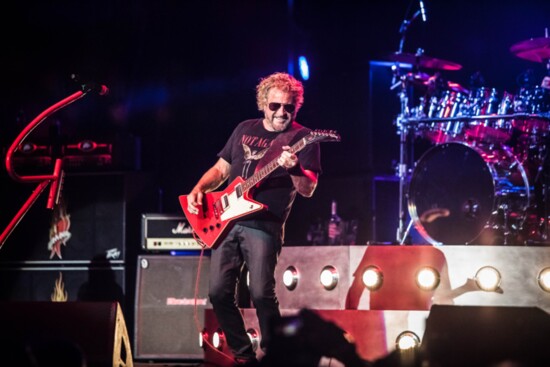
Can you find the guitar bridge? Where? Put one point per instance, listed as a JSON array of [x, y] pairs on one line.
[[218, 207]]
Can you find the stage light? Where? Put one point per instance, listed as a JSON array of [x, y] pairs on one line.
[[544, 279], [247, 278], [372, 278], [290, 65], [303, 66], [290, 326], [407, 340], [290, 278], [254, 338], [488, 279], [203, 335], [427, 278], [329, 277], [218, 339]]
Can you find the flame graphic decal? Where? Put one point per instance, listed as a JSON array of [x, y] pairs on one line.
[[59, 293]]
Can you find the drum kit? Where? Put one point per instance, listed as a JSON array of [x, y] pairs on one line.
[[485, 176]]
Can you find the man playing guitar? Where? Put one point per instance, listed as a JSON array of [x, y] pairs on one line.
[[255, 238]]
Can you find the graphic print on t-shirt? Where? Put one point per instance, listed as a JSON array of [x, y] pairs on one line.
[[251, 155]]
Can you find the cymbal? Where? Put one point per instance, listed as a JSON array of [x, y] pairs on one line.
[[424, 61], [457, 88], [534, 49]]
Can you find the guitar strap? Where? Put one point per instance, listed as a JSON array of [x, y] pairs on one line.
[[278, 143]]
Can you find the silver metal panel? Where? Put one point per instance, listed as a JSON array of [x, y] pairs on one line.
[[519, 267], [310, 261]]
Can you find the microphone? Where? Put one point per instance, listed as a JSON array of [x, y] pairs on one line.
[[100, 89], [422, 10]]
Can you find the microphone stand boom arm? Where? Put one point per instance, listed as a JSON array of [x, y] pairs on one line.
[[403, 29]]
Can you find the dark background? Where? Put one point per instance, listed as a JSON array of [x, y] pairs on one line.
[[182, 74]]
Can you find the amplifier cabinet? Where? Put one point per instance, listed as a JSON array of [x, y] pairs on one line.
[[62, 283], [93, 220], [171, 296]]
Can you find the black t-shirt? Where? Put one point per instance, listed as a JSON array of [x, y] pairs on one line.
[[246, 146]]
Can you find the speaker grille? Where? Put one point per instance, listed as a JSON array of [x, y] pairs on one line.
[[166, 324]]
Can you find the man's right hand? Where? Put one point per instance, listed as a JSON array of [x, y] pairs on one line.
[[211, 180], [194, 199]]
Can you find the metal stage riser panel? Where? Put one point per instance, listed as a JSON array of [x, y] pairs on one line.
[[519, 267]]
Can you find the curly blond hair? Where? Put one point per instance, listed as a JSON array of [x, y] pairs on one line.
[[284, 82]]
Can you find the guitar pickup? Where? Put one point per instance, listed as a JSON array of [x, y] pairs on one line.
[[239, 190], [224, 201]]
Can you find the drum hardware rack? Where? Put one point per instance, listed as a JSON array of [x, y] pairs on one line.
[[515, 116], [403, 128]]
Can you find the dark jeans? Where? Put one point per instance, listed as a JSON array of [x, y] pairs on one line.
[[259, 251]]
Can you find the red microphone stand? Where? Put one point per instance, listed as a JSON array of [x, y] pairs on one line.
[[55, 179]]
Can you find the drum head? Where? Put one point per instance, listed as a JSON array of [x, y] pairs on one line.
[[451, 194]]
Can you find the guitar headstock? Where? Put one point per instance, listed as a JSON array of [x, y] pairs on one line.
[[323, 136]]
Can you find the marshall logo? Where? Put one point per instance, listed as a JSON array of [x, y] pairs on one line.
[[182, 228]]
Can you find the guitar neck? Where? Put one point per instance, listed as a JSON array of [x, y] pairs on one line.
[[270, 167]]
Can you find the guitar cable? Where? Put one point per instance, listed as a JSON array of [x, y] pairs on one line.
[[195, 298]]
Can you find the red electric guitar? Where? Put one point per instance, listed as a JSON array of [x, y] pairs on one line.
[[221, 209]]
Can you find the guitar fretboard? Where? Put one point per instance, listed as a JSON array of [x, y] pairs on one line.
[[270, 167]]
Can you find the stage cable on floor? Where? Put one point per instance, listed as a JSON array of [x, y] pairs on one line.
[[198, 325]]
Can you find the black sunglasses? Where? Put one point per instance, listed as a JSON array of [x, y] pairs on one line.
[[290, 108]]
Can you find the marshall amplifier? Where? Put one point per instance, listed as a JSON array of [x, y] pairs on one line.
[[162, 232]]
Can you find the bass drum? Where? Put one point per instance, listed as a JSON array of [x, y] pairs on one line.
[[458, 191]]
